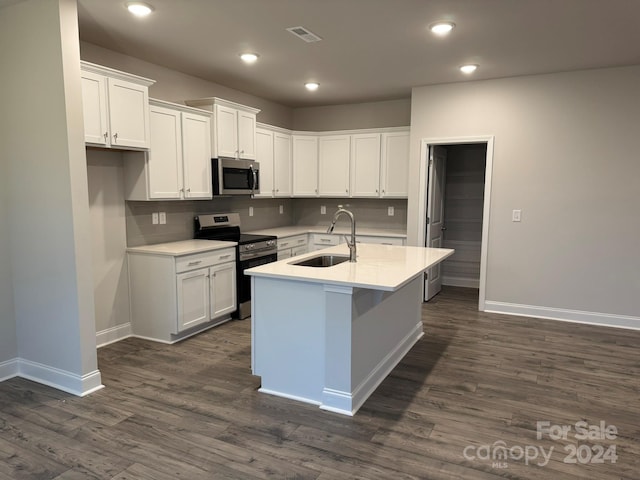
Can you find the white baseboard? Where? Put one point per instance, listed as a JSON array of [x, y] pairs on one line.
[[575, 316], [9, 369], [113, 334], [79, 385], [461, 282]]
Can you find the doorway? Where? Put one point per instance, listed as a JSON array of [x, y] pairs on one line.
[[455, 199]]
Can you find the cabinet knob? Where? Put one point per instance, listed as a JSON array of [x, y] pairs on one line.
[[115, 137], [347, 190], [106, 135], [189, 190]]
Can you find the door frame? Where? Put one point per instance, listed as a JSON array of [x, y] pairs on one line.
[[425, 143]]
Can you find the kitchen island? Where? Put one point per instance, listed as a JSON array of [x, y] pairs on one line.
[[330, 335]]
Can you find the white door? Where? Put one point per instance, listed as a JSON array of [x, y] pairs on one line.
[[365, 165], [226, 132], [305, 166], [264, 156], [128, 114], [247, 135], [196, 149], [334, 153], [281, 164], [193, 298], [435, 216], [94, 102], [223, 289], [165, 154]]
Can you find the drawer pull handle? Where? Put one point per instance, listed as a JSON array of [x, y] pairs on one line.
[[197, 262], [301, 241], [222, 257]]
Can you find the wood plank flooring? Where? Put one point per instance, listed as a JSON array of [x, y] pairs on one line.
[[191, 410]]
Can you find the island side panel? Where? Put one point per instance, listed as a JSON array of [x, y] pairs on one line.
[[382, 328], [287, 345]]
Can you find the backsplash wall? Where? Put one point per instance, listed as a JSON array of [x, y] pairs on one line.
[[299, 211]]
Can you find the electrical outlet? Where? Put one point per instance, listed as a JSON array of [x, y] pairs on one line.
[[281, 209], [251, 211], [391, 211], [323, 210], [516, 216], [154, 218], [162, 216]]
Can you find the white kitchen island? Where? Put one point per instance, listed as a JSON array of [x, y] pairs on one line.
[[330, 335]]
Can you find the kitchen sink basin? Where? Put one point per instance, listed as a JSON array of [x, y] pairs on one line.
[[322, 261]]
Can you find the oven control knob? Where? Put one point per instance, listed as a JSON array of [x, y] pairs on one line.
[[251, 246], [271, 243]]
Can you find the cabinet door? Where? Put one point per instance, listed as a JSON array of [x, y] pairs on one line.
[[298, 251], [395, 164], [365, 165], [165, 154], [94, 104], [193, 298], [305, 166], [333, 160], [128, 114], [264, 156], [226, 132], [282, 164], [284, 254], [247, 135], [196, 155], [223, 289]]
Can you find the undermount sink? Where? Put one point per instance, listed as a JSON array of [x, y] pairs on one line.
[[322, 261]]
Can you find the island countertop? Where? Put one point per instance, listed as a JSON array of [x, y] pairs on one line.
[[378, 267]]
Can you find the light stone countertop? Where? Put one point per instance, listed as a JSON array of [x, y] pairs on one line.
[[378, 267], [184, 247], [289, 231]]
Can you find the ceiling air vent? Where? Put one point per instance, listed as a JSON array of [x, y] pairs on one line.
[[304, 34]]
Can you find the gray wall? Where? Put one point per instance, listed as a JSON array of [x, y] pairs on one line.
[[108, 238], [566, 154], [47, 214], [174, 86], [368, 212], [392, 113]]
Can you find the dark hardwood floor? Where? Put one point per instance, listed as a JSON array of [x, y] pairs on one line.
[[191, 410]]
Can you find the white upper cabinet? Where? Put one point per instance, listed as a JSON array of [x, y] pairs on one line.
[[395, 165], [264, 156], [305, 165], [282, 164], [178, 164], [116, 107], [333, 163], [365, 165], [233, 127]]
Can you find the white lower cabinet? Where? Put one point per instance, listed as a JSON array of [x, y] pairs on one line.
[[171, 296], [324, 240], [379, 240]]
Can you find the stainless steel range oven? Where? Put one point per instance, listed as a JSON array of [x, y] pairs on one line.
[[252, 250]]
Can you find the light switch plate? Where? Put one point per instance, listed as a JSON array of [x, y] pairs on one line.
[[251, 211], [391, 211], [516, 216], [162, 216], [154, 218], [281, 209], [323, 210]]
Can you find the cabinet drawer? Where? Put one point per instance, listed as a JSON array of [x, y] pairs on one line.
[[326, 240], [205, 259], [379, 240], [291, 242]]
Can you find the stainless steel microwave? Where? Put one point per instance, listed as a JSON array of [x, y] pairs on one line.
[[235, 177]]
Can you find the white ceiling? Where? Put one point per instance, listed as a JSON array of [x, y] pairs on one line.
[[371, 49]]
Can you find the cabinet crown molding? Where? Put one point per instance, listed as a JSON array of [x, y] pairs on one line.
[[210, 101], [176, 106], [113, 73], [334, 132]]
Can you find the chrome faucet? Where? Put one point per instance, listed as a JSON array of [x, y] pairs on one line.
[[352, 243]]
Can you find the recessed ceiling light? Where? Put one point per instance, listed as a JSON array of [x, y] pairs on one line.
[[139, 9], [441, 28], [468, 68], [249, 57], [312, 86]]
